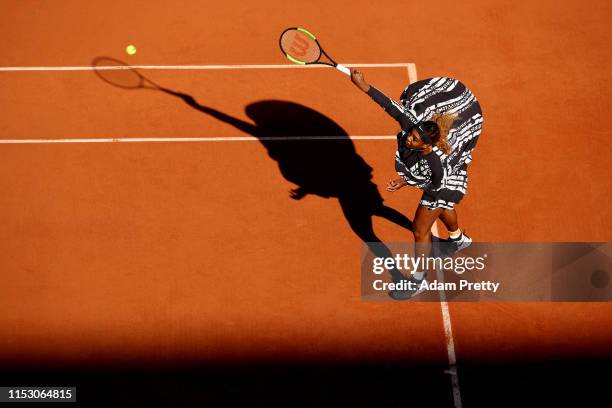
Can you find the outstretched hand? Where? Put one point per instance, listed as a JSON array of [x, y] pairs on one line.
[[396, 184], [359, 81]]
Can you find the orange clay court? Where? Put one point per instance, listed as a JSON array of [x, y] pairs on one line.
[[186, 269]]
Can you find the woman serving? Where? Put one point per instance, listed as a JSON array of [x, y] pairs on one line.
[[440, 122]]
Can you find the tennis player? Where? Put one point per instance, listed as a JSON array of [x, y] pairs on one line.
[[440, 122]]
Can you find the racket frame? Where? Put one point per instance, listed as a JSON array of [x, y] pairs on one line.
[[333, 63], [118, 65]]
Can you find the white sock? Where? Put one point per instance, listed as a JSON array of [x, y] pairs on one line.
[[455, 234]]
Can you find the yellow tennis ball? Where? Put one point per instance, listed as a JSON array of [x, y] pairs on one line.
[[130, 49]]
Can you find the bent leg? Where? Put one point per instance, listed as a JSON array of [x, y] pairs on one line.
[[423, 220]]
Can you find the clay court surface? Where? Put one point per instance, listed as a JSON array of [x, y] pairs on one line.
[[193, 253]]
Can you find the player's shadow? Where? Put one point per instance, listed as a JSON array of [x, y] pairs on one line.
[[316, 154]]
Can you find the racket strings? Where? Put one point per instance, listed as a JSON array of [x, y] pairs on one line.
[[299, 46], [117, 73]]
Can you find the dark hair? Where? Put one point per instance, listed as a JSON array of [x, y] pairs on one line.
[[428, 130]]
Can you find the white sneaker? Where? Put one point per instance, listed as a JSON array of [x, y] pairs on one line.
[[461, 242]]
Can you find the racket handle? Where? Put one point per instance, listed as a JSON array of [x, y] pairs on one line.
[[344, 69]]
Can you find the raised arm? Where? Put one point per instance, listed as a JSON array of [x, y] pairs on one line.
[[405, 118]]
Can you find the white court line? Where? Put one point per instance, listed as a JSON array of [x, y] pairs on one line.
[[448, 333], [412, 73], [409, 66], [193, 139]]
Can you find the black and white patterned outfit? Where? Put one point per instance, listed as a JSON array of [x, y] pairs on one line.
[[443, 178]]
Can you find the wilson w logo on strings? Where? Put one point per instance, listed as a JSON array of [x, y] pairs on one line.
[[299, 45]]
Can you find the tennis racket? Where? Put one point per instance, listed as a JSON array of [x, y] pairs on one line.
[[121, 75], [301, 47]]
